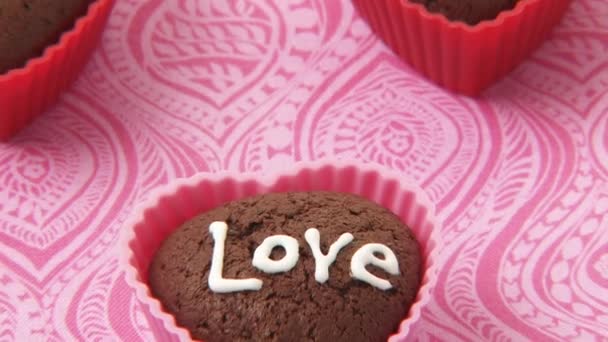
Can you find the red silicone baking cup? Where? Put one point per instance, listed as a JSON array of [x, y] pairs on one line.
[[462, 58], [171, 206], [26, 92]]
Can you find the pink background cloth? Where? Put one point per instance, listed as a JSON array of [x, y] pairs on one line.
[[519, 176]]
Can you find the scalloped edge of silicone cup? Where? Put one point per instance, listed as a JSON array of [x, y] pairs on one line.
[[519, 8]]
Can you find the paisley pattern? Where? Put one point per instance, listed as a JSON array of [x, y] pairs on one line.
[[519, 175]]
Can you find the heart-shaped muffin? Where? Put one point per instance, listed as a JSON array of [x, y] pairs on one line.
[[44, 44], [328, 238], [462, 45]]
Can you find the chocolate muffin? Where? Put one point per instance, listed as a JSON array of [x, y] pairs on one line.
[[470, 11], [313, 266], [27, 27]]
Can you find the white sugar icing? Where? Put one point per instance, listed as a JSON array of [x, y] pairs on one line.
[[216, 282], [365, 256], [261, 259], [261, 256], [322, 261]]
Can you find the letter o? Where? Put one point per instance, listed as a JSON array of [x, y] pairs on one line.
[[261, 256]]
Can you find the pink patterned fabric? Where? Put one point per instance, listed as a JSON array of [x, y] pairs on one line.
[[519, 176]]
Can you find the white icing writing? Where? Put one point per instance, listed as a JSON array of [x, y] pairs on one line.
[[217, 283], [261, 259], [261, 256], [322, 262], [365, 256]]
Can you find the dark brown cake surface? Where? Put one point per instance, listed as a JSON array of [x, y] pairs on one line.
[[293, 305], [27, 27], [469, 11]]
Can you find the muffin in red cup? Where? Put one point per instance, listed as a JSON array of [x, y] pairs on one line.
[[201, 255], [44, 44], [462, 45]]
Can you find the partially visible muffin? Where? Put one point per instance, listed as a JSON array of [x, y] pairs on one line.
[[470, 11], [27, 27]]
